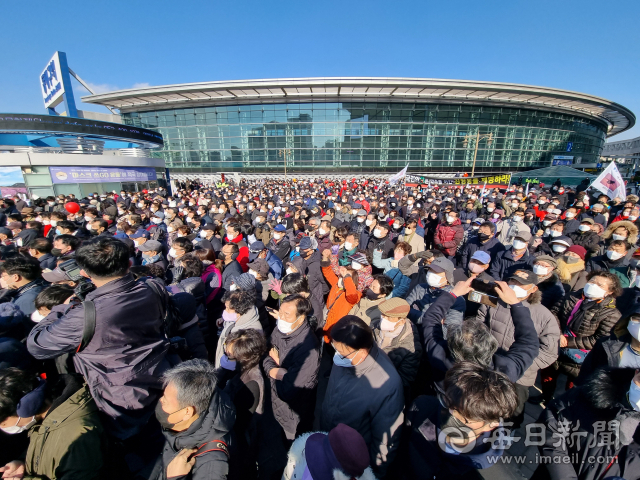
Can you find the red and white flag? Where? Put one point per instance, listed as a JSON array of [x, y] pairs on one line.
[[610, 183]]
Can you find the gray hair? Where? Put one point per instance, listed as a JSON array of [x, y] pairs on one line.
[[472, 341], [195, 381]]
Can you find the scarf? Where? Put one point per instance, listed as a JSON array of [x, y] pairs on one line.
[[566, 270], [343, 259]]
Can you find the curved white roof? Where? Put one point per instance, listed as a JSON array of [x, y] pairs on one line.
[[363, 89]]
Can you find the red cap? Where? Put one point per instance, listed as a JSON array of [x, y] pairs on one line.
[[577, 249]]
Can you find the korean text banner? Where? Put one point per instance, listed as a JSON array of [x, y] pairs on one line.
[[497, 180], [101, 175]]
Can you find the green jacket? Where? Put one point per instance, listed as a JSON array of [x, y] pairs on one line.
[[69, 443]]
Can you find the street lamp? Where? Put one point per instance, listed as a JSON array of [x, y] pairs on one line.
[[488, 137], [283, 153]]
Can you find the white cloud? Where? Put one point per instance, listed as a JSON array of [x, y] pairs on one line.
[[141, 85], [102, 87]]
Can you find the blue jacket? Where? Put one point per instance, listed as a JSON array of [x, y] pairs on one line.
[[401, 283], [25, 297], [513, 363], [503, 265], [492, 247], [275, 265]]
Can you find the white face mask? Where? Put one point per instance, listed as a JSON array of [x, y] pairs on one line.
[[433, 279], [519, 291], [558, 248], [362, 219], [88, 219], [496, 215], [368, 223], [356, 265], [156, 220], [584, 228], [376, 233], [633, 218], [37, 317], [322, 231], [16, 429], [490, 209], [289, 271], [285, 327], [546, 223], [387, 325], [618, 237], [517, 218], [172, 253], [254, 273], [348, 246], [613, 255], [570, 215], [555, 233], [450, 219], [634, 329], [593, 291], [540, 270], [519, 244], [634, 396]]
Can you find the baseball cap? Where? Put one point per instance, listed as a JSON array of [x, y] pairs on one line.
[[150, 246], [525, 277], [305, 243], [442, 264], [361, 213], [587, 220], [159, 214], [562, 240], [524, 235], [140, 234], [279, 228], [481, 256]]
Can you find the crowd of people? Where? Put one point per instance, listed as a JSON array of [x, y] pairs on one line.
[[319, 331]]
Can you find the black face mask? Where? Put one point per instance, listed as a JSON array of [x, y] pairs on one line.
[[56, 252], [483, 236], [163, 417], [371, 295], [221, 256]]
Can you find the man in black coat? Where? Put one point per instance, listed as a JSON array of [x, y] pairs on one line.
[[516, 257], [484, 241], [317, 283]]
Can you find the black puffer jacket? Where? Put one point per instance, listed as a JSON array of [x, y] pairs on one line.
[[293, 396], [584, 413], [317, 284], [216, 424]]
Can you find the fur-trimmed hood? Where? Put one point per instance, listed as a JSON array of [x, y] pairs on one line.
[[296, 462], [631, 228]]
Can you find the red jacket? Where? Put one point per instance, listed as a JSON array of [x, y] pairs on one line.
[[243, 255], [448, 237]]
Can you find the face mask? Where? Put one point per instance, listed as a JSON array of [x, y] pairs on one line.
[[254, 273], [619, 237], [376, 233], [593, 291], [340, 361], [362, 219], [613, 255], [16, 429], [634, 396], [37, 317], [370, 294], [546, 223], [285, 327], [634, 329], [519, 244], [156, 220], [434, 280], [368, 223], [496, 215], [172, 252], [450, 219], [519, 291], [163, 417], [88, 219], [490, 209], [289, 271], [517, 219], [387, 325], [540, 270], [348, 246], [570, 215], [229, 316], [584, 228], [356, 265], [558, 248], [226, 363], [475, 268], [555, 233]]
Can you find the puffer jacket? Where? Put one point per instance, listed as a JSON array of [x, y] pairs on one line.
[[404, 351], [589, 240], [250, 320], [491, 246], [508, 231], [422, 296], [59, 446], [503, 265], [293, 395], [592, 320], [603, 427], [620, 268], [215, 426], [552, 291], [498, 320], [448, 237]]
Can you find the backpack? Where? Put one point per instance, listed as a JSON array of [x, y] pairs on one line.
[[171, 321]]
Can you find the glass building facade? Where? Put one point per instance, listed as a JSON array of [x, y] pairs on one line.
[[333, 138]]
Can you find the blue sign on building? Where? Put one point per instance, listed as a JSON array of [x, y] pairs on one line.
[[569, 146]]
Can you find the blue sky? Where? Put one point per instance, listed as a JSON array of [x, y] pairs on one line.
[[587, 46]]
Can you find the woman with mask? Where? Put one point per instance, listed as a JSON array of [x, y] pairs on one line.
[[367, 307], [364, 391], [585, 316]]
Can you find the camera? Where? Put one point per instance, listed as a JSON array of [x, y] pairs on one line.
[[71, 268]]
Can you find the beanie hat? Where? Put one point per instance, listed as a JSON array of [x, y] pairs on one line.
[[577, 249], [245, 282], [342, 449], [395, 308]]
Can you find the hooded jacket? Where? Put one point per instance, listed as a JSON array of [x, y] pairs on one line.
[[69, 442], [630, 226], [498, 320], [597, 448], [369, 398], [215, 424]]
